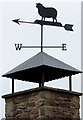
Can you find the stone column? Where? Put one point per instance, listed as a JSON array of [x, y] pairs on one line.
[[43, 103]]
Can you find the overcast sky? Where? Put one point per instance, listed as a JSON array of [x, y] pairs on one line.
[[28, 34]]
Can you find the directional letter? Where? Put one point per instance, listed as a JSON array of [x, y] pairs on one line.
[[18, 46], [64, 47]]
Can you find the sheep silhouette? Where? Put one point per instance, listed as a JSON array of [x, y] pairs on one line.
[[45, 12]]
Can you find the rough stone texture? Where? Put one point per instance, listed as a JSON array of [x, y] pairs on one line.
[[42, 104]]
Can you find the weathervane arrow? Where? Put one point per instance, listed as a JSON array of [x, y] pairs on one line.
[[67, 27], [18, 21]]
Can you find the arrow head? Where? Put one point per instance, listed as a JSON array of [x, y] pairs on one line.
[[16, 21]]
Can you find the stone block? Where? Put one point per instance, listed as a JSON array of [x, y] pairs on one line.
[[34, 113], [9, 109], [48, 95], [22, 105]]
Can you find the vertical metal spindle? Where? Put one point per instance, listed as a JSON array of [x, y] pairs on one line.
[[41, 38]]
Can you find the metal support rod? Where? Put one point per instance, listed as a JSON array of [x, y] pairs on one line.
[[70, 83], [12, 85], [39, 84], [43, 79], [41, 38]]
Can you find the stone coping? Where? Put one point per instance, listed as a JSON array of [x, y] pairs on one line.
[[41, 89]]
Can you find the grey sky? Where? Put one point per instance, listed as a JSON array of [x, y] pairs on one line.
[[27, 34]]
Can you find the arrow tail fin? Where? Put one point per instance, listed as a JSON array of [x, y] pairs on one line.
[[68, 27]]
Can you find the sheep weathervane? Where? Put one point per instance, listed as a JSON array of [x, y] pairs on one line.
[[45, 12]]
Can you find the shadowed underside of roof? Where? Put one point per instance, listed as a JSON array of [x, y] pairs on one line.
[[32, 69]]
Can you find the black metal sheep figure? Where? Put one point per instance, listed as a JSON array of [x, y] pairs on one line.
[[46, 12]]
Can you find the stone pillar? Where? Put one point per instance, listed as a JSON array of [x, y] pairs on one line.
[[42, 103]]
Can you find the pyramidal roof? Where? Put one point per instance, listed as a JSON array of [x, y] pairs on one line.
[[31, 69]]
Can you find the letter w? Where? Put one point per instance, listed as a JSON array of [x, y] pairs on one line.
[[18, 46]]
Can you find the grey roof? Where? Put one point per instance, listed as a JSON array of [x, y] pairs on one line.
[[31, 69]]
